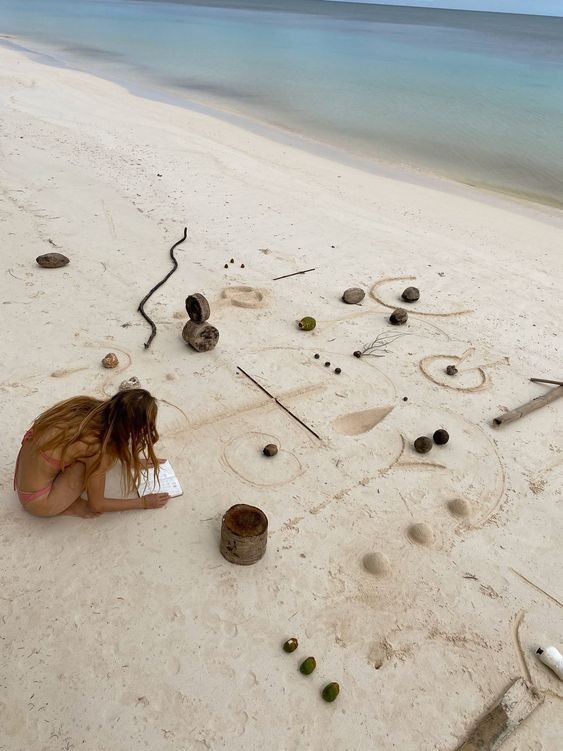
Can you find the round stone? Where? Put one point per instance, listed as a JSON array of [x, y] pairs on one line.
[[353, 296], [411, 294], [52, 260], [423, 444], [110, 360], [270, 450], [398, 317], [441, 437], [451, 370]]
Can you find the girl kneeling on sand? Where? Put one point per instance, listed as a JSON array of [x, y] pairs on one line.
[[71, 446]]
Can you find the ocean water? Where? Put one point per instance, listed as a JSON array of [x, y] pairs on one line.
[[476, 97]]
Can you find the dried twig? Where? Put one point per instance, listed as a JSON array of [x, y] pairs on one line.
[[378, 348], [295, 273], [156, 286]]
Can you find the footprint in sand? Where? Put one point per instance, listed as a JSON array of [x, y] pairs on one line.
[[355, 423], [245, 297]]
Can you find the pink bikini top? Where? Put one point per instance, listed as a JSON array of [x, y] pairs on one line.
[[50, 459]]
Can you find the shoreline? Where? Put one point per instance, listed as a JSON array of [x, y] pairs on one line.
[[405, 173], [418, 582]]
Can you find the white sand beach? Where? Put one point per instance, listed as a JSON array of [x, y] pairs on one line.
[[130, 631]]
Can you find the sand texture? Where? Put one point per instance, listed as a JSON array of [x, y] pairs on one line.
[[401, 573]]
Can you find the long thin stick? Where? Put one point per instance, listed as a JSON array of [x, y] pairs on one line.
[[289, 412], [539, 401], [295, 273], [156, 286], [544, 380]]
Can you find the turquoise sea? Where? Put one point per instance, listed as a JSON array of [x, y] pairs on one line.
[[477, 97]]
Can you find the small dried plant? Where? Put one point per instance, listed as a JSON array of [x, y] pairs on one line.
[[378, 348]]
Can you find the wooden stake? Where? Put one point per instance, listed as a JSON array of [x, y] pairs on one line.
[[525, 409], [513, 707]]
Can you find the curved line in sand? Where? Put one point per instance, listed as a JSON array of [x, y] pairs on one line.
[[426, 361], [375, 288]]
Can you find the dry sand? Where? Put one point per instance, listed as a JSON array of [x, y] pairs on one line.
[[130, 631]]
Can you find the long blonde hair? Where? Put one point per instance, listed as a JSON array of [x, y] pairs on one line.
[[124, 427]]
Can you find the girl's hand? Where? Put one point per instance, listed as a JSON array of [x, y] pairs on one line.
[[155, 500]]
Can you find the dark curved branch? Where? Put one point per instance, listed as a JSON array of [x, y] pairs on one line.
[[156, 286]]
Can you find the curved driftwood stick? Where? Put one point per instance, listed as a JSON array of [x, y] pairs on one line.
[[141, 307], [539, 401]]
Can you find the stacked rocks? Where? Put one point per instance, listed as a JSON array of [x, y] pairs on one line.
[[197, 332]]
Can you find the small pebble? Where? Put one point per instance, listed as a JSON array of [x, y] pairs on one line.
[[327, 365], [232, 260], [110, 360], [338, 371], [441, 437], [357, 353], [411, 294], [451, 370], [226, 265], [52, 260], [423, 444], [353, 296], [317, 357], [270, 450], [242, 265], [398, 317], [405, 398], [130, 383]]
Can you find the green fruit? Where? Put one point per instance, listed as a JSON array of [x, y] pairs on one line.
[[290, 645], [307, 323], [331, 691], [308, 665]]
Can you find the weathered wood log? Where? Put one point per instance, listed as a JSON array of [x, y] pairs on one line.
[[200, 336], [525, 409], [197, 308], [244, 534], [514, 706]]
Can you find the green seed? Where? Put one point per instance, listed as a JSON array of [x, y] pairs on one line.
[[290, 645], [331, 691], [308, 665], [307, 323]]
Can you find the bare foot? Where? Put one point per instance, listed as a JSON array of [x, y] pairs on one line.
[[79, 507]]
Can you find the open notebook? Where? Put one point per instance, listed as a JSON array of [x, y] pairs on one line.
[[167, 481]]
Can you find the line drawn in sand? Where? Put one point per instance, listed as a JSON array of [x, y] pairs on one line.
[[243, 453], [374, 293]]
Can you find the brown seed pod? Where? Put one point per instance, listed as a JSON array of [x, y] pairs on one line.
[[270, 450], [353, 296], [423, 444], [202, 337], [197, 308], [338, 371], [290, 645], [411, 294], [110, 360], [52, 260], [451, 370], [441, 437], [398, 317]]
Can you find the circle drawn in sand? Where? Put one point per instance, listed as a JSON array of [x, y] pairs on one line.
[[374, 292], [377, 564], [355, 423], [245, 297], [459, 507], [470, 380], [243, 455], [421, 533]]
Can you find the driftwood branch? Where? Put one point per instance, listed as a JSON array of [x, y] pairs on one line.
[[544, 380], [525, 409], [141, 307]]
